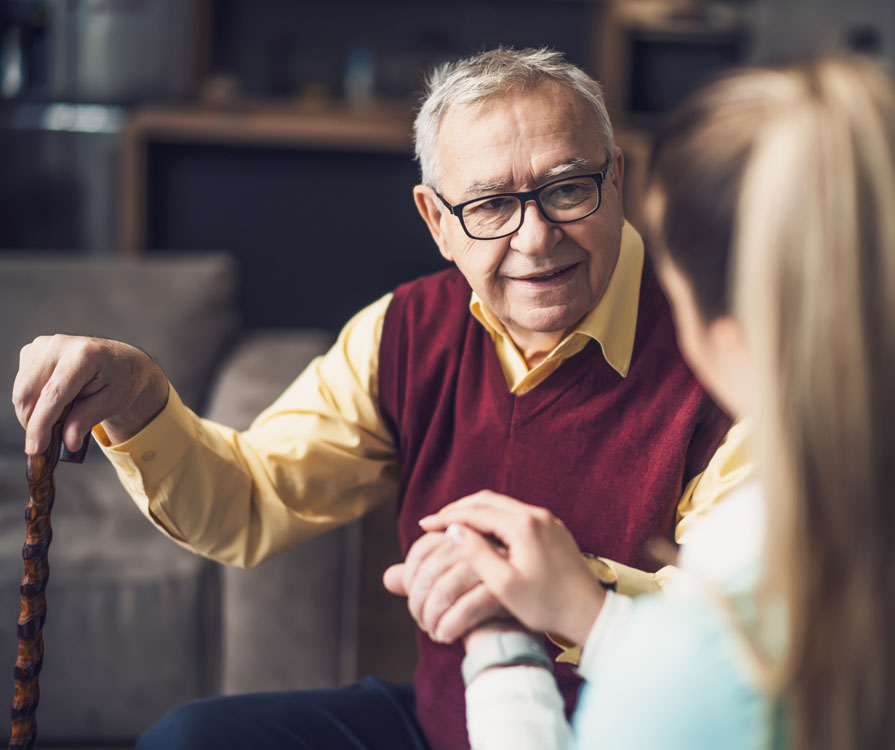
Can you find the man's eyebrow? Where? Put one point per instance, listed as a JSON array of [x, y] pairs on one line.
[[573, 165], [488, 186], [505, 186]]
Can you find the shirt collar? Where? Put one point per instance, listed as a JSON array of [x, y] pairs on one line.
[[612, 323]]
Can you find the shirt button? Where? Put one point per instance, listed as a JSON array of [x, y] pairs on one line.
[[148, 456]]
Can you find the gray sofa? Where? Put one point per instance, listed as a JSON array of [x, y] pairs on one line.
[[135, 624]]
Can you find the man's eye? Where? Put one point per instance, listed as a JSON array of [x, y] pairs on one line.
[[494, 205], [569, 194]]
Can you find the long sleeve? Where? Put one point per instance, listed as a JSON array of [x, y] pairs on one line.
[[683, 657], [520, 707], [516, 707], [665, 671], [318, 457]]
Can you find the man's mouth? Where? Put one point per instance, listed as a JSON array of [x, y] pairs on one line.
[[557, 274]]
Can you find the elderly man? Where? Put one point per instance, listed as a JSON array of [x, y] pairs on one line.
[[544, 366]]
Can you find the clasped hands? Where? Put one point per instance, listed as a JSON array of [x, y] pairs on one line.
[[489, 558]]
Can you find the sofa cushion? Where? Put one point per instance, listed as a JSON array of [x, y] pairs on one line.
[[179, 309]]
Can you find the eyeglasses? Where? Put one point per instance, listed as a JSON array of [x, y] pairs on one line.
[[561, 201]]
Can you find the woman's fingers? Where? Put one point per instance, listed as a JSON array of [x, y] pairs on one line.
[[483, 498], [488, 563], [515, 525]]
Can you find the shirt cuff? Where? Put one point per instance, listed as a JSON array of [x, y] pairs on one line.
[[145, 459], [631, 581]]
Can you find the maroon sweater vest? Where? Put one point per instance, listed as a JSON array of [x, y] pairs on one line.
[[608, 455]]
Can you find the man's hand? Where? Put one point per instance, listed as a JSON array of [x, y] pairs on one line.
[[106, 381], [444, 595], [540, 578]]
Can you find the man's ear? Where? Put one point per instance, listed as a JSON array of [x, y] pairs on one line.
[[433, 212], [617, 177]]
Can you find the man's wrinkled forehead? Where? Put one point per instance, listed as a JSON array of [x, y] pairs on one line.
[[570, 167], [518, 140]]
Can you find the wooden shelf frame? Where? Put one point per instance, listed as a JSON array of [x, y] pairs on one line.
[[379, 128]]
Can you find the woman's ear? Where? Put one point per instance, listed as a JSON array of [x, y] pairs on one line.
[[732, 363], [727, 336], [433, 212]]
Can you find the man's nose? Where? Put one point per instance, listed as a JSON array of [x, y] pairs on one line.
[[537, 234]]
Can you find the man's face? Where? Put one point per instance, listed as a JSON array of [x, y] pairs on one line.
[[542, 280]]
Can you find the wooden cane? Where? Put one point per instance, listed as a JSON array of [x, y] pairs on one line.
[[41, 494]]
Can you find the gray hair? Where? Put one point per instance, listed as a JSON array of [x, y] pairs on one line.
[[490, 74]]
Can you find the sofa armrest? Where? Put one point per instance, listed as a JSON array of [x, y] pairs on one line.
[[296, 613], [327, 617]]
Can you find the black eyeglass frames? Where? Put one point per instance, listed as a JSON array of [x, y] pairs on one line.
[[562, 201]]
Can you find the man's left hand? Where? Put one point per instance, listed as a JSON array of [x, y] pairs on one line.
[[444, 595]]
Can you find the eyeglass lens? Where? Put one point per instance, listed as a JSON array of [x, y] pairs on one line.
[[563, 201]]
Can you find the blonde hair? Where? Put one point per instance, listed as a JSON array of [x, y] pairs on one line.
[[491, 74], [815, 291]]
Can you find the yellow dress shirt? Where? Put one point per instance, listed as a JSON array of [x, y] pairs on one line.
[[320, 455]]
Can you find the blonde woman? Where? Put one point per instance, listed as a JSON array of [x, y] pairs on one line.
[[779, 630]]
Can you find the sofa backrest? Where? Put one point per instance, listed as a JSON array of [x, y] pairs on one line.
[[181, 310]]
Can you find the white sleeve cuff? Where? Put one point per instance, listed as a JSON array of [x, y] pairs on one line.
[[516, 707], [604, 633]]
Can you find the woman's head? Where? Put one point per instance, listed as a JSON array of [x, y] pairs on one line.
[[772, 202], [815, 291], [697, 164]]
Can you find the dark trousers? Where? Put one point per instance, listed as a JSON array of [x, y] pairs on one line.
[[369, 715]]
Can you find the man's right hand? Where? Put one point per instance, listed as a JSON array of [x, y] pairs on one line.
[[444, 594], [541, 577], [106, 382]]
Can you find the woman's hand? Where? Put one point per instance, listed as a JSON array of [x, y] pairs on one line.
[[540, 578]]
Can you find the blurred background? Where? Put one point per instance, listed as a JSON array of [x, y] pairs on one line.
[[278, 130]]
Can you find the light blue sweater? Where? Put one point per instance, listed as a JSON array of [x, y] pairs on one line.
[[670, 671], [679, 676]]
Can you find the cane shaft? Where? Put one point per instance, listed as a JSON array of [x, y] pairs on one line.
[[41, 494]]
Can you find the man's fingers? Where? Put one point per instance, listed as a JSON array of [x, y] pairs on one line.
[[393, 579], [109, 380], [59, 391], [78, 424], [437, 562], [452, 584], [416, 556], [35, 369], [476, 606]]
